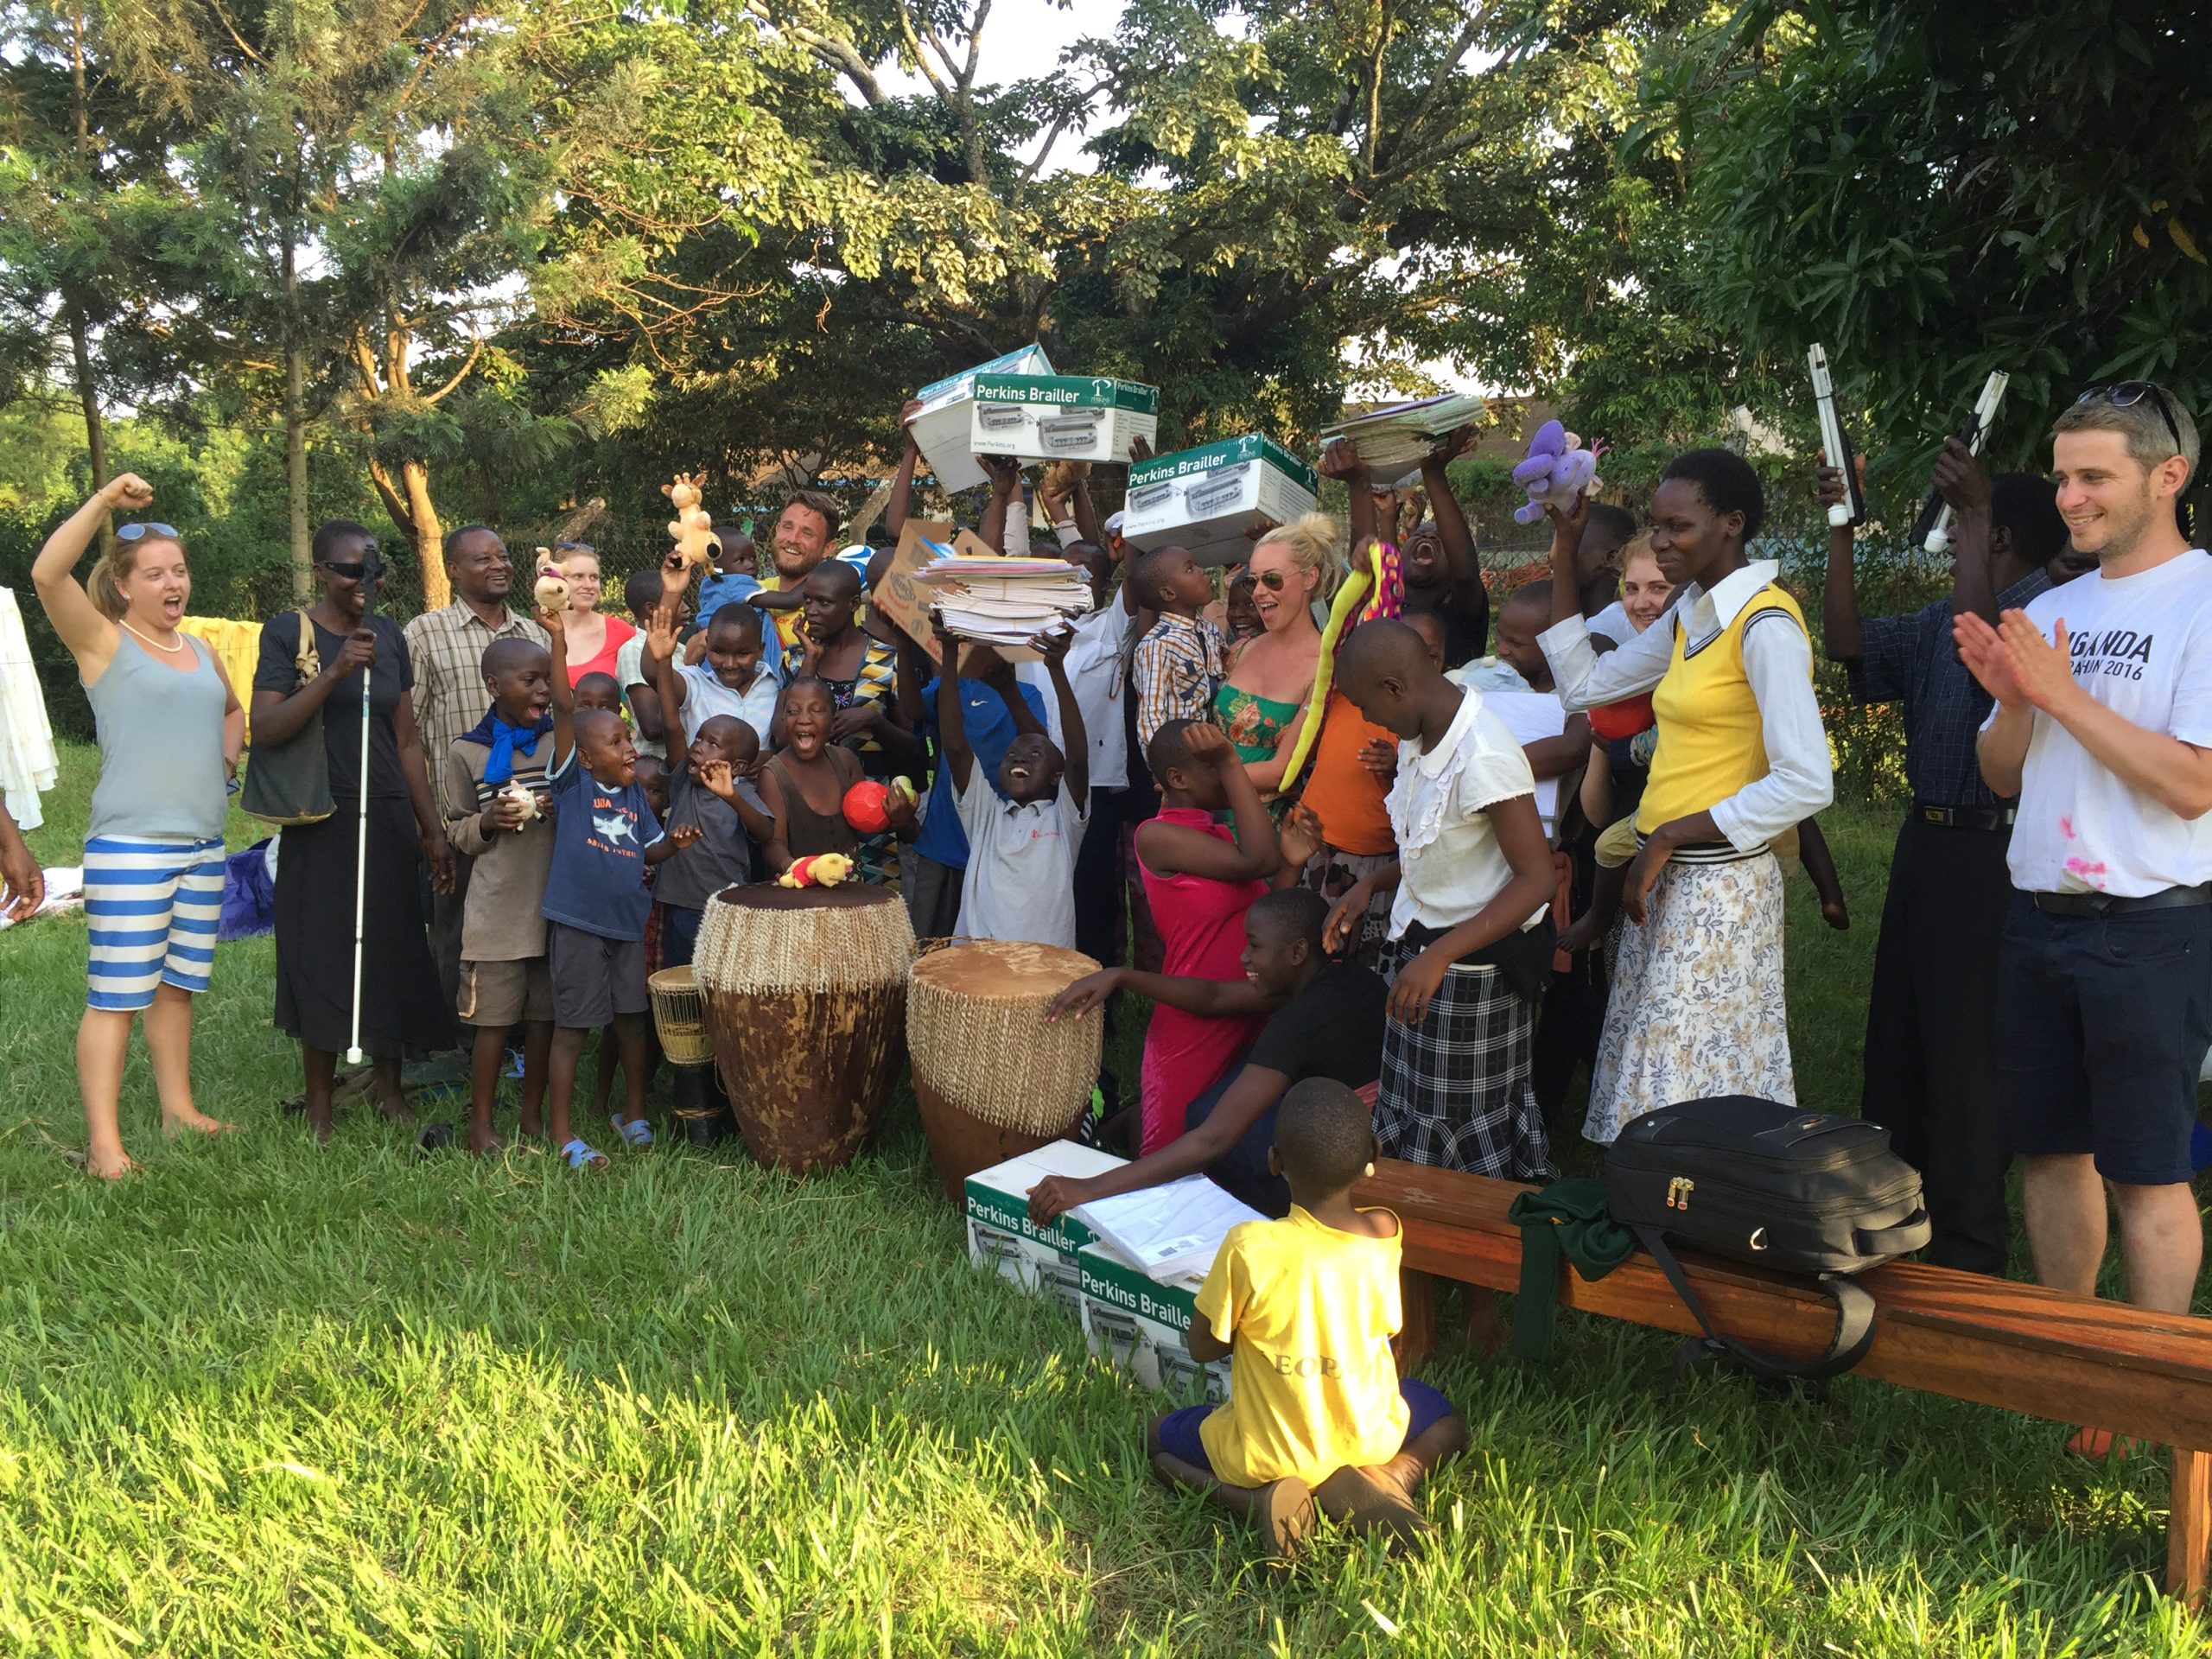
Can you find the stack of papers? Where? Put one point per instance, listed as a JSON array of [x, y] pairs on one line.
[[1171, 1231], [1003, 601], [1399, 438]]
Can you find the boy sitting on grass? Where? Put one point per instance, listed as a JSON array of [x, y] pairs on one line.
[[503, 973], [606, 836], [1305, 1309]]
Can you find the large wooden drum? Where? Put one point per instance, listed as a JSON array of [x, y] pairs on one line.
[[806, 1001], [991, 1078]]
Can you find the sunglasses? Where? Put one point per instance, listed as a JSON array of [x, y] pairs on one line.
[[372, 569], [1271, 580], [139, 532], [2127, 394]]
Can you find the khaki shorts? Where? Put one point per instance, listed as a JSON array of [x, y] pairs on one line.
[[502, 994]]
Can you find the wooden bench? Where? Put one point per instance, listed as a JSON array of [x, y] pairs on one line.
[[1993, 1341]]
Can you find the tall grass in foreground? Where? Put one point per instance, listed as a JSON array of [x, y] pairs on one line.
[[267, 1400]]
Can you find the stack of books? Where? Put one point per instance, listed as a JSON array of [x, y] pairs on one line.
[[1169, 1232], [1002, 601], [1399, 438]]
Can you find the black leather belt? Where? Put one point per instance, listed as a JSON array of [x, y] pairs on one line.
[[2111, 904], [1963, 817]]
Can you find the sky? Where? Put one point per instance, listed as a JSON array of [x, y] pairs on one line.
[[1024, 38]]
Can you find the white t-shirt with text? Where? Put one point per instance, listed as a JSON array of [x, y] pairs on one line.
[[2142, 646]]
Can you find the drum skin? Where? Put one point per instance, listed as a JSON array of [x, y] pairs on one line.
[[992, 1080], [806, 1000]]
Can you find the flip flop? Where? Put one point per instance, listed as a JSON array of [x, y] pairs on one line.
[[582, 1155], [433, 1137], [2101, 1445], [637, 1134]]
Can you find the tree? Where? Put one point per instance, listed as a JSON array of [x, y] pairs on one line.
[[366, 188], [75, 153], [1933, 192]]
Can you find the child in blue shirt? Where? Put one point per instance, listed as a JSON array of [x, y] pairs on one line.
[[606, 836]]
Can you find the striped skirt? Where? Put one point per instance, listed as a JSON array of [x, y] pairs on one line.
[[152, 907]]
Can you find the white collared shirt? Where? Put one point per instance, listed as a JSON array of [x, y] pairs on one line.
[[1450, 864], [1777, 661]]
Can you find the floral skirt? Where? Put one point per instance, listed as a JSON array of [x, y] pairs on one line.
[[1697, 1006]]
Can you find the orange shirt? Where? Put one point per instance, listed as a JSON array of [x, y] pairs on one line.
[[1347, 797]]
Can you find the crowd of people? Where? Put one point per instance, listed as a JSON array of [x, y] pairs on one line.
[[1504, 851]]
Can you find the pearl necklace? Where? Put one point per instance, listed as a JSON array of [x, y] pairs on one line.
[[156, 644]]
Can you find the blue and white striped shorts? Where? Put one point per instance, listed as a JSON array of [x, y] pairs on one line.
[[153, 907]]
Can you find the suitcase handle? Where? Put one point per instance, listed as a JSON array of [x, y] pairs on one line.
[[1884, 1241]]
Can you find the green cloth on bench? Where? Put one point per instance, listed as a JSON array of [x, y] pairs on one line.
[[1567, 1218]]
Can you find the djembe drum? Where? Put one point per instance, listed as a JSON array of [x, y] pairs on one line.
[[991, 1078], [680, 1022], [806, 1002]]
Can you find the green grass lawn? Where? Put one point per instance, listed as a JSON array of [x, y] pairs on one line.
[[268, 1400]]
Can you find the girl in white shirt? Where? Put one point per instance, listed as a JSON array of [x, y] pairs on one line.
[[1468, 959]]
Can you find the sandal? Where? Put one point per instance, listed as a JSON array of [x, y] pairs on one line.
[[432, 1138], [639, 1134], [2101, 1445], [582, 1155]]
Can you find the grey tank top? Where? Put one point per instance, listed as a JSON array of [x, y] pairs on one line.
[[161, 746]]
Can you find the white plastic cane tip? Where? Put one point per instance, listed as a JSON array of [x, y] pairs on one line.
[[1838, 515], [353, 1057]]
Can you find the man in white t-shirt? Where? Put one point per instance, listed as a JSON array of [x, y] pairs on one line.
[[2103, 728]]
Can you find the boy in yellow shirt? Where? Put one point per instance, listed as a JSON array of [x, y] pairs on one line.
[[1305, 1309]]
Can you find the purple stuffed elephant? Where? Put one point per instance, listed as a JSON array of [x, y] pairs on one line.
[[1557, 470]]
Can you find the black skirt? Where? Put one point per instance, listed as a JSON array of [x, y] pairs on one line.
[[403, 1011]]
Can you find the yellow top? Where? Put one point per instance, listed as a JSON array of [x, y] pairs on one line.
[[237, 646], [1308, 1313], [1711, 740]]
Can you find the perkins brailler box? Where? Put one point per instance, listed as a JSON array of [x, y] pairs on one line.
[[940, 427], [1001, 1237], [1206, 499], [1060, 417], [1139, 1325]]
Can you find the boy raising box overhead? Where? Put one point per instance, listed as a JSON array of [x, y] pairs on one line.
[[606, 836], [1304, 1309], [1020, 849]]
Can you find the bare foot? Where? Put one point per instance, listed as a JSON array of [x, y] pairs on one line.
[[319, 1122], [1486, 1331], [532, 1128], [112, 1166], [486, 1144], [175, 1123], [1581, 933], [398, 1111]]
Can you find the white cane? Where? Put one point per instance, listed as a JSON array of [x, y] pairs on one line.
[[361, 846]]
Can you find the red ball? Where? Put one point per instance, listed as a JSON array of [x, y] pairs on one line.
[[866, 808]]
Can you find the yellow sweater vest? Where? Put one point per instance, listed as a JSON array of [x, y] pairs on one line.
[[1710, 742]]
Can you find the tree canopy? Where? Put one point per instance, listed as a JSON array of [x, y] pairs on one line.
[[500, 257]]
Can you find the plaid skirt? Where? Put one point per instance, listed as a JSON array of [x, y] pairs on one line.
[[1457, 1090]]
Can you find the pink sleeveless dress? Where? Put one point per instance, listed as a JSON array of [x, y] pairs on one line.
[[1201, 925]]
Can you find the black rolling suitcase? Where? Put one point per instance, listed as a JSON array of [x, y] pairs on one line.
[[1768, 1184]]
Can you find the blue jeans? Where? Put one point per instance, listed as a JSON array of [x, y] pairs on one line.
[[1178, 1430]]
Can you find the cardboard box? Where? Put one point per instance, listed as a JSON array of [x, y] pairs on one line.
[[1001, 1237], [907, 602], [940, 426], [1138, 1325], [1060, 417], [1207, 498]]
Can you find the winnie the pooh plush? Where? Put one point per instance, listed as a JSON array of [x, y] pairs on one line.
[[693, 525]]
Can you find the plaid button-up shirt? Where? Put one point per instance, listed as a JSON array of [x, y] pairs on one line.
[[1913, 659], [447, 647], [1179, 666]]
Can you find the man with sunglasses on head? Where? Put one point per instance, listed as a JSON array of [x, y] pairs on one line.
[[447, 647], [2103, 729]]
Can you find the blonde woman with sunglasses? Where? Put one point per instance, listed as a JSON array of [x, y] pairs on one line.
[[1295, 569], [170, 728]]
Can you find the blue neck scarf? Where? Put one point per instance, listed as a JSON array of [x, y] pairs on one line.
[[504, 741]]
